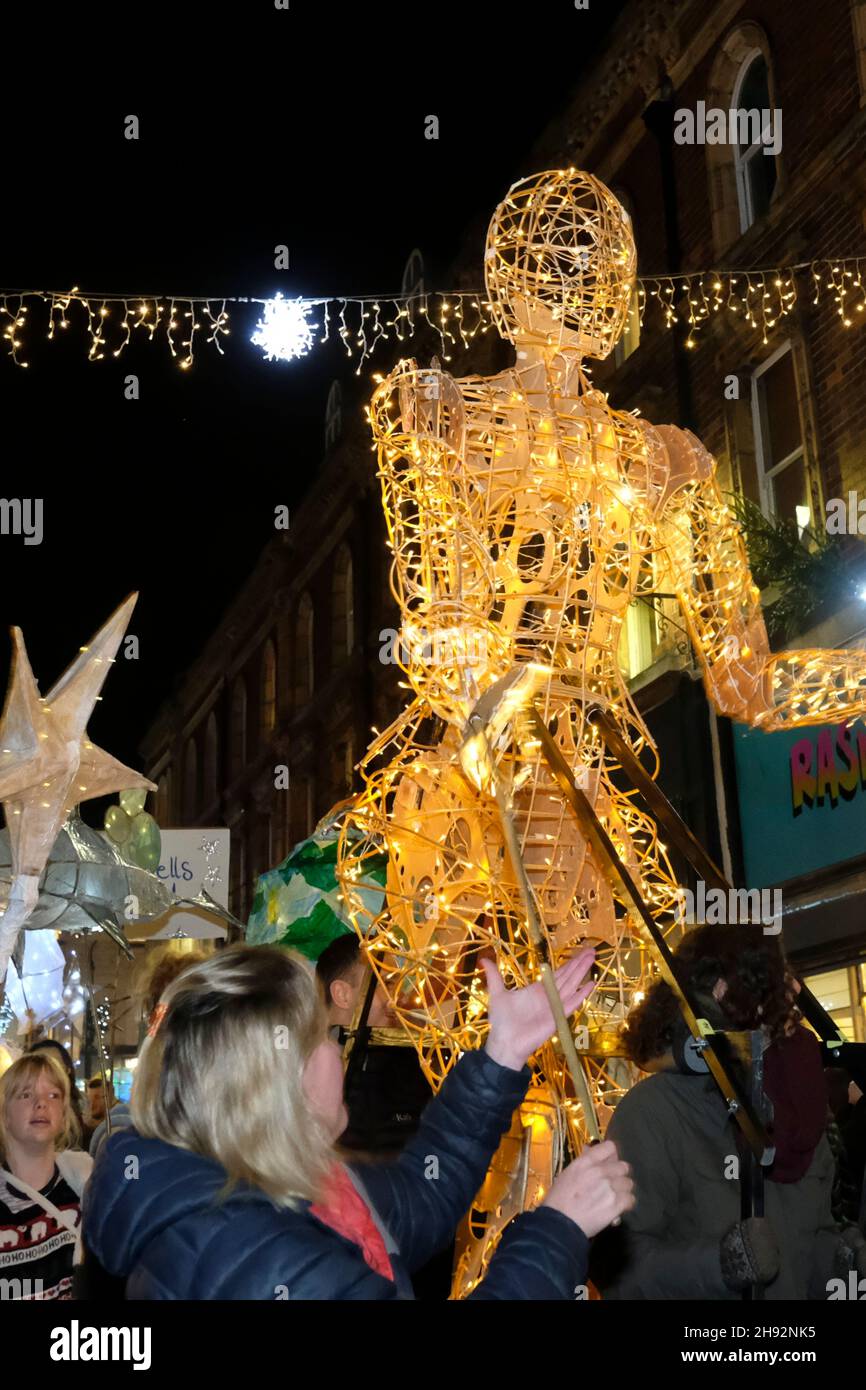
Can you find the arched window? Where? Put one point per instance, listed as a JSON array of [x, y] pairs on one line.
[[413, 275], [269, 690], [630, 337], [238, 727], [211, 756], [333, 415], [190, 782], [303, 665], [342, 608], [743, 170], [755, 170]]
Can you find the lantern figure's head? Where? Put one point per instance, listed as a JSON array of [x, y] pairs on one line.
[[560, 263]]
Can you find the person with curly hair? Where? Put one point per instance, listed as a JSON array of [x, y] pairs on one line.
[[685, 1238]]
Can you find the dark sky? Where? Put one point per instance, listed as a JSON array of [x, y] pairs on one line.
[[304, 128]]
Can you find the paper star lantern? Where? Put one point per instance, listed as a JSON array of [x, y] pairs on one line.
[[48, 764]]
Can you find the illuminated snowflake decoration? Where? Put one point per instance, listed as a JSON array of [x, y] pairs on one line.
[[284, 333]]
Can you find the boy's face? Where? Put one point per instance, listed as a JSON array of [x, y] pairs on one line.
[[344, 995]]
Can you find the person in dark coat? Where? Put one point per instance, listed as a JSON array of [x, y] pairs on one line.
[[237, 1103], [385, 1089], [685, 1238]]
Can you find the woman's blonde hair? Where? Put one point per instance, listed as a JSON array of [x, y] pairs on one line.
[[221, 1073], [19, 1075]]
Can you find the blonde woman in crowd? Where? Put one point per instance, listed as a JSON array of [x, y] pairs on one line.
[[237, 1191]]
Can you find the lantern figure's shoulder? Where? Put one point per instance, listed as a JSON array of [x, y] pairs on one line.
[[415, 400], [644, 458]]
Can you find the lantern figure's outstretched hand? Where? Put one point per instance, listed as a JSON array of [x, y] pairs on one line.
[[706, 560]]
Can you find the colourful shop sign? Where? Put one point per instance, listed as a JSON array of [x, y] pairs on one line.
[[802, 795]]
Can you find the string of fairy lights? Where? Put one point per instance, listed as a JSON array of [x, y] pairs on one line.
[[290, 328]]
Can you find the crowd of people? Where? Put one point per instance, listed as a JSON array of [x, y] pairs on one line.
[[247, 1166]]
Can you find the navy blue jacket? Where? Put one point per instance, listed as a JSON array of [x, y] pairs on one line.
[[166, 1235]]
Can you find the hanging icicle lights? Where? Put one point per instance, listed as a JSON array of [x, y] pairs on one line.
[[759, 298]]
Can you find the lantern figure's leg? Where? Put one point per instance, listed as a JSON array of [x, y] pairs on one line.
[[739, 1104], [563, 1027]]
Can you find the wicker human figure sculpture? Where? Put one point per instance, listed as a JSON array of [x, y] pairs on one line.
[[525, 516]]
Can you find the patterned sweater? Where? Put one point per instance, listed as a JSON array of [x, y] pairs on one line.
[[35, 1250]]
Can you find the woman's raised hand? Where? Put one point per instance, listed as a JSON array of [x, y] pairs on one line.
[[521, 1019]]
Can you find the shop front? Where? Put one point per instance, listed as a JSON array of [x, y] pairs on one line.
[[802, 804]]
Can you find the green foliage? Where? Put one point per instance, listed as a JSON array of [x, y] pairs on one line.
[[810, 574]]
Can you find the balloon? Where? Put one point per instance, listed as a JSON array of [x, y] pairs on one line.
[[145, 842], [133, 800], [118, 825]]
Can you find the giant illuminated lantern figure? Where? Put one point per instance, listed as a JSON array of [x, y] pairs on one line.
[[525, 516]]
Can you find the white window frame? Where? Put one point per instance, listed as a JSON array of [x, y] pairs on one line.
[[765, 475], [755, 151]]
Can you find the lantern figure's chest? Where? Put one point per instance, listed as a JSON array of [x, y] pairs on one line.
[[566, 526]]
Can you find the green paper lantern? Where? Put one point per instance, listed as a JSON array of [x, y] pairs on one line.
[[299, 904], [118, 825]]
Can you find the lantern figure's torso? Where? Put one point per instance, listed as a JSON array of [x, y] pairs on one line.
[[520, 509]]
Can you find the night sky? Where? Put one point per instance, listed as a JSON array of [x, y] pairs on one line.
[[304, 128]]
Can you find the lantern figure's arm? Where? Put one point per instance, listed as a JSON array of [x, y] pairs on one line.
[[443, 575], [703, 549]]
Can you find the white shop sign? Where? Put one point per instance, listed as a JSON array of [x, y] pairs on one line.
[[192, 861]]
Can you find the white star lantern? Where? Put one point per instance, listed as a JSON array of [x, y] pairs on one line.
[[48, 764]]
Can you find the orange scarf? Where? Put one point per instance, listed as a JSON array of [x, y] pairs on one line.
[[346, 1212]]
